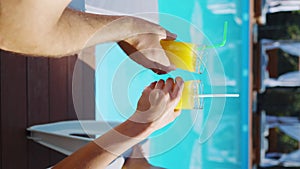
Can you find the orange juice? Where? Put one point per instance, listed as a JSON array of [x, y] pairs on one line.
[[184, 56], [188, 101]]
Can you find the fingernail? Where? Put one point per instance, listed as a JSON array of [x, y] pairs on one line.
[[174, 35], [170, 35], [179, 80], [170, 79], [161, 80]]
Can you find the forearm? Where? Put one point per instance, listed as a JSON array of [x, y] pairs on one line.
[[101, 152], [78, 30], [45, 35]]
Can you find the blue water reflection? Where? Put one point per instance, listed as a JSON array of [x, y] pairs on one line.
[[215, 137]]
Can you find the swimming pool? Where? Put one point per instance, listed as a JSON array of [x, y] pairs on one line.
[[216, 136]]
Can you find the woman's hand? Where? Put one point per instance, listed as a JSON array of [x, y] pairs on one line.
[[143, 45], [156, 106]]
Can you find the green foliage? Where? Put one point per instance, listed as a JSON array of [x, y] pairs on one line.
[[294, 31], [296, 12], [286, 63], [286, 143]]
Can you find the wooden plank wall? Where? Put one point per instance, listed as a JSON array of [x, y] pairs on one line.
[[37, 90]]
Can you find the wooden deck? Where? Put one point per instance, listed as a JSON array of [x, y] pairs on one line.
[[37, 90]]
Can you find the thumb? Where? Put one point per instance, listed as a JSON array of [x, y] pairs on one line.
[[158, 99]]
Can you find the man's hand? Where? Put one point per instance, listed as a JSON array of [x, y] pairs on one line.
[[143, 46]]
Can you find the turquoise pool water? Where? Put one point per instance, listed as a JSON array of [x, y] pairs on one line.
[[216, 136]]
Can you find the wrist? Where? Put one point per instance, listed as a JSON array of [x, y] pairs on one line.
[[120, 28], [134, 129], [135, 26], [123, 137]]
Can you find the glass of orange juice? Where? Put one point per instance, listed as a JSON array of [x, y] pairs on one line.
[[186, 56], [188, 100]]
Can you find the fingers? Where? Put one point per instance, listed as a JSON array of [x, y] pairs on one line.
[[149, 88], [152, 85], [177, 87], [163, 69], [171, 87], [168, 85], [158, 71], [159, 85], [170, 36]]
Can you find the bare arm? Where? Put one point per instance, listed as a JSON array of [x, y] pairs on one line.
[[100, 153], [155, 110], [58, 36], [48, 28]]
